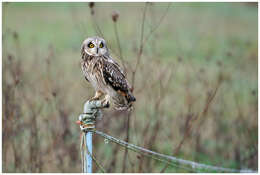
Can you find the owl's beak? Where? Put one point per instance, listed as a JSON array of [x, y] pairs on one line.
[[97, 50]]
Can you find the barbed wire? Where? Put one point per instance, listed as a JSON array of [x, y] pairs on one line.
[[171, 160]]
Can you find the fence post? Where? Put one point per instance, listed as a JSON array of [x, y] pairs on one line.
[[87, 125], [88, 134], [88, 168]]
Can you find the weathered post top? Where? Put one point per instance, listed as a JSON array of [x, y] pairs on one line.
[[90, 113]]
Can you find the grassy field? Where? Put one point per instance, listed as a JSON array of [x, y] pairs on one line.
[[195, 84]]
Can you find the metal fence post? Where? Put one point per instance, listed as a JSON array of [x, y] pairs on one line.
[[88, 168], [87, 125], [88, 165]]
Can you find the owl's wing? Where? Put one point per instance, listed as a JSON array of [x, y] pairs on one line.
[[111, 60], [114, 76]]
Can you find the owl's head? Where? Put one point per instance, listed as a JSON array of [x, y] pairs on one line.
[[94, 46]]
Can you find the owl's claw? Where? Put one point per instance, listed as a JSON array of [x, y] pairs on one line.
[[94, 99], [105, 101], [107, 104], [98, 94]]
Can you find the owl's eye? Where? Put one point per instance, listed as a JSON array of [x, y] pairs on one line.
[[101, 45], [91, 45]]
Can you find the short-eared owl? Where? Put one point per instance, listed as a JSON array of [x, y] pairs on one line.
[[105, 74]]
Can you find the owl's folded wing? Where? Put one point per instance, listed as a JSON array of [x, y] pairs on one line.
[[114, 76]]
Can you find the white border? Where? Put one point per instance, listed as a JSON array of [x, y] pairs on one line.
[[130, 1], [1, 170], [1, 95]]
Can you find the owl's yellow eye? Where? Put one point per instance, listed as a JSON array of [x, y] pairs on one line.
[[101, 45], [91, 45]]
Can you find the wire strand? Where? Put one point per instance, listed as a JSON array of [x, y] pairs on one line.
[[170, 159]]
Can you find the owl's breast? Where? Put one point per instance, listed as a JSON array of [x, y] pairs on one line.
[[92, 70]]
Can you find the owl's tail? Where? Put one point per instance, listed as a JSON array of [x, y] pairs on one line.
[[125, 103]]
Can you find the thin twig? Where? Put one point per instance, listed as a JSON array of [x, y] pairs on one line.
[[119, 46], [94, 21], [140, 52], [95, 24], [159, 23], [190, 125], [142, 40], [127, 140], [133, 80]]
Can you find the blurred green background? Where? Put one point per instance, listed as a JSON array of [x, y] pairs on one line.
[[195, 84]]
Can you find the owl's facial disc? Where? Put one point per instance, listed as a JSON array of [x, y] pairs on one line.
[[102, 49], [96, 47]]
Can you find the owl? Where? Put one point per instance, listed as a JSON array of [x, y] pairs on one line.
[[105, 74]]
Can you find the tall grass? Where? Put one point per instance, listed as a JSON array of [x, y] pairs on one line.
[[193, 68]]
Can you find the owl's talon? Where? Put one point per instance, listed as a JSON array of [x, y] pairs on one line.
[[94, 99], [107, 104], [98, 94]]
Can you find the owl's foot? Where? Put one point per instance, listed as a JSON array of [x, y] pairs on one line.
[[105, 101], [94, 99], [98, 94], [107, 104]]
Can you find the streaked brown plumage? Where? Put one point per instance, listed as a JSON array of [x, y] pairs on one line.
[[105, 74]]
